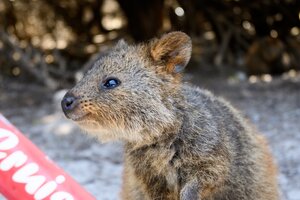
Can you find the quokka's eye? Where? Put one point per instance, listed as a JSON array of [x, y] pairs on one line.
[[110, 83]]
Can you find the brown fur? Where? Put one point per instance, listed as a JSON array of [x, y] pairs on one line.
[[181, 142]]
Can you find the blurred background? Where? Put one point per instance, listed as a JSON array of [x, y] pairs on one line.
[[47, 41], [246, 51]]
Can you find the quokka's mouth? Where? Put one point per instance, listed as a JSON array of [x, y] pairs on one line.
[[78, 118]]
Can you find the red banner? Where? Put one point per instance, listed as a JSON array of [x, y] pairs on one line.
[[27, 173]]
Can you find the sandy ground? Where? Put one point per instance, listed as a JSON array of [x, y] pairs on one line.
[[273, 107]]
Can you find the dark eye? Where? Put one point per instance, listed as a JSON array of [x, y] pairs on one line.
[[110, 83]]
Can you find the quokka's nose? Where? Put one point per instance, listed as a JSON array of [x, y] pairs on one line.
[[68, 103]]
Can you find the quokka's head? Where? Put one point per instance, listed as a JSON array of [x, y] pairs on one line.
[[129, 93]]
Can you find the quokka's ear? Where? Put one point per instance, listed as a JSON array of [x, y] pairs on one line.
[[121, 44], [173, 50]]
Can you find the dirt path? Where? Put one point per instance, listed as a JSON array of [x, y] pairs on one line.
[[274, 107]]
